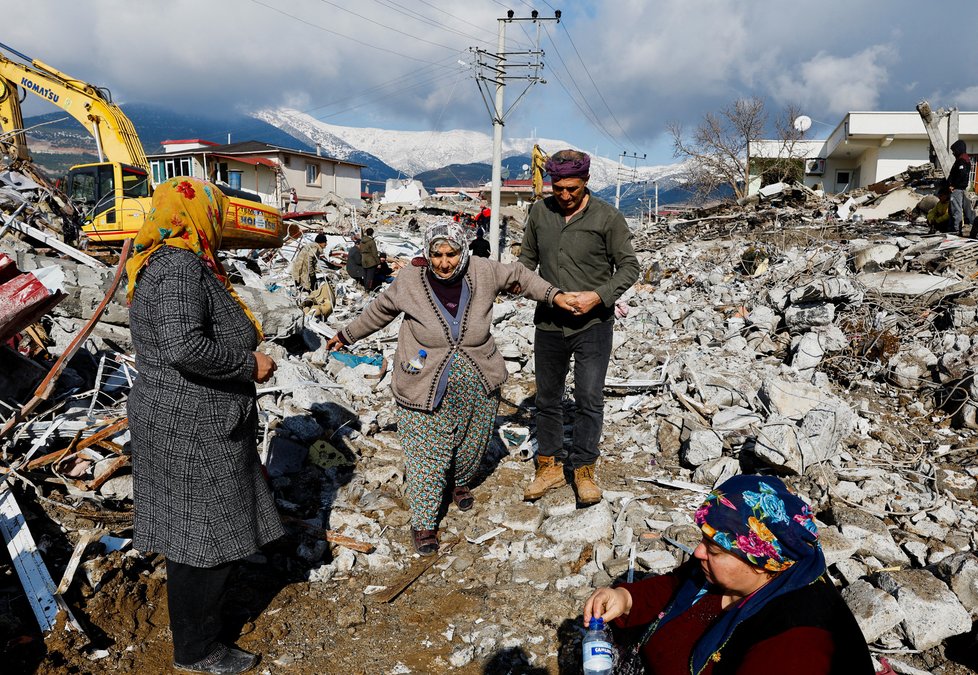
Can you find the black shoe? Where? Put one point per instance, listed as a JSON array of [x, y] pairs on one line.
[[222, 660]]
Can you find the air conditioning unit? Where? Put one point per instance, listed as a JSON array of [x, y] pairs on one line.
[[815, 167]]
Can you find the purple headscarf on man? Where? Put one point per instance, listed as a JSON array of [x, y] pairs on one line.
[[561, 166]]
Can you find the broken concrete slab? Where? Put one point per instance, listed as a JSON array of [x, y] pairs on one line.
[[932, 613], [911, 284], [870, 534], [876, 611]]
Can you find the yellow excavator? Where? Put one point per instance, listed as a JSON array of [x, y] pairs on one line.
[[114, 193]]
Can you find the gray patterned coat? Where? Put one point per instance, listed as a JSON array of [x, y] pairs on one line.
[[200, 496]]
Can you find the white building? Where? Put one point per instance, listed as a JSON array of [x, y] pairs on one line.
[[267, 170], [865, 148]]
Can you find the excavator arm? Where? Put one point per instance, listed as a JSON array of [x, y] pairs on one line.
[[13, 141], [538, 161], [115, 136]]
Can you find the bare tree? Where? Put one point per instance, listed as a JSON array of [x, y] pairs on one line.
[[789, 163], [718, 153]]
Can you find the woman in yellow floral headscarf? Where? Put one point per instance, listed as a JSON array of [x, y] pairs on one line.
[[187, 213], [200, 496]]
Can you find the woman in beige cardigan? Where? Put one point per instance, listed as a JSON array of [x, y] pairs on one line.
[[447, 370]]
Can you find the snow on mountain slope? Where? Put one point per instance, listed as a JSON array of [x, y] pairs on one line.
[[413, 152]]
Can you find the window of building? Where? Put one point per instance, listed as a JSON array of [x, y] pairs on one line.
[[312, 174], [168, 168], [843, 180]]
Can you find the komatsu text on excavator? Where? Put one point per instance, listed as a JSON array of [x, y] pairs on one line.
[[114, 193]]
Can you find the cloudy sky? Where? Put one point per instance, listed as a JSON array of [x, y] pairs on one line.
[[617, 71]]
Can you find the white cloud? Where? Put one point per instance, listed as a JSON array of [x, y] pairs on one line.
[[838, 84], [965, 98], [653, 62]]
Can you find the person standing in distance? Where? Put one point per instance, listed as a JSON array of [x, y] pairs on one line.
[[958, 178], [580, 243], [369, 257]]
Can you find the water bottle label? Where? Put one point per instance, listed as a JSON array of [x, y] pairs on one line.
[[598, 656], [413, 366]]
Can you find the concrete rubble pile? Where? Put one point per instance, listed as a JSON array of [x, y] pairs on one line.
[[783, 336]]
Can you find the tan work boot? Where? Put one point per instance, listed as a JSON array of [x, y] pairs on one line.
[[588, 491], [550, 475]]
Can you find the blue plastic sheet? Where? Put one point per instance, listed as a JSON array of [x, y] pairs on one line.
[[354, 360]]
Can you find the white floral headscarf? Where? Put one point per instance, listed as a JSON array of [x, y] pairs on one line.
[[447, 230]]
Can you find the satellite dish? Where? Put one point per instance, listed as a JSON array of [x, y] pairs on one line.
[[802, 123], [526, 167]]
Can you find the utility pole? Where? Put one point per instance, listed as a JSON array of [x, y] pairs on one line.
[[656, 184], [497, 75], [633, 174]]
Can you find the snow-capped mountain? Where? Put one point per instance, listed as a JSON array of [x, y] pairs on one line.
[[414, 152]]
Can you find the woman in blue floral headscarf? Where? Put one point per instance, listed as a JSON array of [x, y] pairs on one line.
[[754, 599]]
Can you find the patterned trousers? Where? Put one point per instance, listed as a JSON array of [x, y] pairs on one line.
[[452, 438]]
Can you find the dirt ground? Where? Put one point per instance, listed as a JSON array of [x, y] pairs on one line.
[[303, 627], [468, 613]]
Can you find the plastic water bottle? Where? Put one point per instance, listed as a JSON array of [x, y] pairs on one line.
[[417, 363], [598, 650]]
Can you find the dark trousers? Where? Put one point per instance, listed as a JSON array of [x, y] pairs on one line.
[[368, 277], [195, 596], [961, 212], [591, 350]]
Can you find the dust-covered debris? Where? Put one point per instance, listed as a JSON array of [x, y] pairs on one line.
[[829, 340]]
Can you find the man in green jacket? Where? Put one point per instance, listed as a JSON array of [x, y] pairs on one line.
[[579, 243], [370, 258]]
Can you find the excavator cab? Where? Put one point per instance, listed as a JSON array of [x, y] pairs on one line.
[[112, 197]]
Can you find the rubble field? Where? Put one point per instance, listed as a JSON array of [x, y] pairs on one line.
[[828, 340]]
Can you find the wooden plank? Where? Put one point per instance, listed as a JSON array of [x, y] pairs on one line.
[[331, 536], [412, 573], [105, 433], [83, 541], [96, 483]]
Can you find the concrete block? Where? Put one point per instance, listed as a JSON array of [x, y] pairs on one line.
[[519, 517], [960, 572], [734, 419], [870, 534], [581, 526], [932, 612], [776, 444], [876, 611], [808, 315], [700, 445], [836, 547]]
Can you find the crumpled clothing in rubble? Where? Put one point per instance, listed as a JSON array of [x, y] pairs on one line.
[[320, 302]]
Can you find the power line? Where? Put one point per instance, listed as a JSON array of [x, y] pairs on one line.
[[436, 78], [377, 23], [595, 123], [347, 37], [400, 80], [457, 18], [593, 117], [418, 16], [595, 85]]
